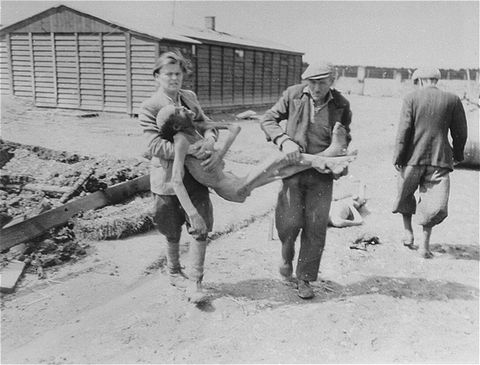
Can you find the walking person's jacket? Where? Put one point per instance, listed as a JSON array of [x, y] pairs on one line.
[[427, 116]]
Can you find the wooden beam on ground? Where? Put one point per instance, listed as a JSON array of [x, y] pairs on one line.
[[13, 234], [37, 187]]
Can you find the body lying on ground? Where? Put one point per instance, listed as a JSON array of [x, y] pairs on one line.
[[344, 212]]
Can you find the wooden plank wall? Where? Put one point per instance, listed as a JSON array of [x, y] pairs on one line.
[[115, 72], [4, 67], [144, 53], [203, 74], [267, 78], [70, 70], [248, 84], [239, 78], [276, 85], [43, 70], [216, 76], [228, 70], [66, 57], [257, 76], [228, 76], [112, 71], [90, 71], [21, 65]]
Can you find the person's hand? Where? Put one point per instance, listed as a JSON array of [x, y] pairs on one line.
[[194, 149], [201, 149], [197, 224], [291, 151], [398, 167], [214, 160], [337, 174], [206, 146]]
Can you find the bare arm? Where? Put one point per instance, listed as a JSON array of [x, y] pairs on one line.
[[181, 145], [233, 131], [217, 156]]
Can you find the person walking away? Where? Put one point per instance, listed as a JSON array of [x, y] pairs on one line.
[[168, 215], [311, 109], [424, 157]]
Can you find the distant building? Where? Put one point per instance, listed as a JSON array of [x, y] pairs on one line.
[[373, 72], [66, 58]]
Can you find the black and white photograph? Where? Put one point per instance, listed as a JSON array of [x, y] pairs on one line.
[[239, 182]]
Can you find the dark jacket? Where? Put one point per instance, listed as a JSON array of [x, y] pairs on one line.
[[427, 116], [294, 106]]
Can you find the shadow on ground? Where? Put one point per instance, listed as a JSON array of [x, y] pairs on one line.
[[278, 293], [459, 252]]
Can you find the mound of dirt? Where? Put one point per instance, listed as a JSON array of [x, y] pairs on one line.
[[36, 179]]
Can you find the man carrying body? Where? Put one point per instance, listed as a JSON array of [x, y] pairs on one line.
[[311, 110], [423, 155], [168, 214]]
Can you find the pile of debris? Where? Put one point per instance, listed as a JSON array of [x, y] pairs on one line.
[[35, 180]]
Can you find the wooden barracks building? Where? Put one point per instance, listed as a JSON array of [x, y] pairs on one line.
[[66, 58]]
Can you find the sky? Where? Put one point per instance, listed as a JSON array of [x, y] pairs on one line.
[[444, 34]]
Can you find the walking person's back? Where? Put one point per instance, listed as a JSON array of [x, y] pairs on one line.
[[424, 141], [423, 154]]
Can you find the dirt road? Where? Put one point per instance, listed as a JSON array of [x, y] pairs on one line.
[[382, 305]]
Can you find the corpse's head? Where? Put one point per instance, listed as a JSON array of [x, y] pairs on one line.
[[172, 119]]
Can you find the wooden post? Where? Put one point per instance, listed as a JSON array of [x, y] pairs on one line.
[[102, 72], [244, 83], [10, 63], [77, 61], [254, 78], [32, 67], [361, 79], [128, 73], [54, 65], [210, 74]]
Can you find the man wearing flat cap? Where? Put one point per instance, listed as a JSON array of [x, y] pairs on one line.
[[424, 157], [311, 110]]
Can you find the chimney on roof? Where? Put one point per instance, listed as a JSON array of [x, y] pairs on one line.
[[210, 22]]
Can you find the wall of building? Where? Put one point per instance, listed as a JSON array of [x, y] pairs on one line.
[[63, 59], [235, 76]]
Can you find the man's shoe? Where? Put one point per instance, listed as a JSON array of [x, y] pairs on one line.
[[195, 293], [305, 291], [178, 278], [286, 270]]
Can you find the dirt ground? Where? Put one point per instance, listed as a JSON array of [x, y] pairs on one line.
[[382, 305]]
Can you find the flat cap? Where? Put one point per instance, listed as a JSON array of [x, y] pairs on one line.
[[427, 73], [317, 71]]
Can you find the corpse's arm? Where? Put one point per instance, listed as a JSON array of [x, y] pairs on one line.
[[181, 145], [233, 131]]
